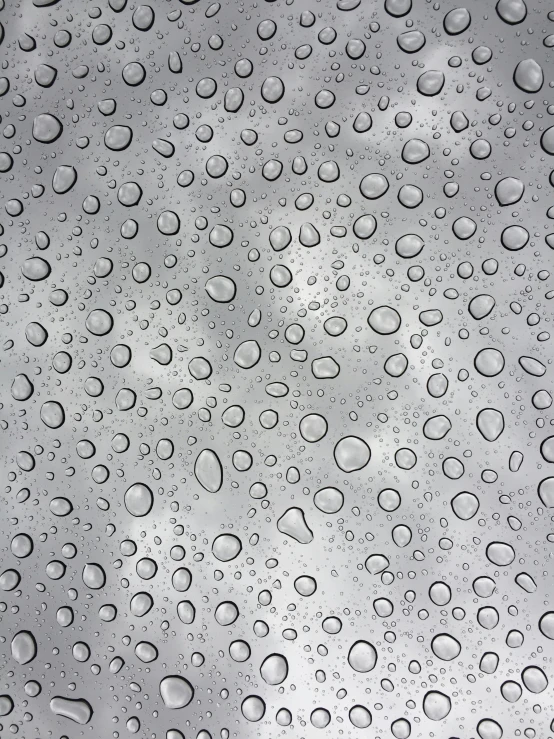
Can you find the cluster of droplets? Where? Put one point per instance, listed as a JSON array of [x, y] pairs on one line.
[[276, 374]]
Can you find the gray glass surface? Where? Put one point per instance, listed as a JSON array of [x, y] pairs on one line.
[[276, 370]]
